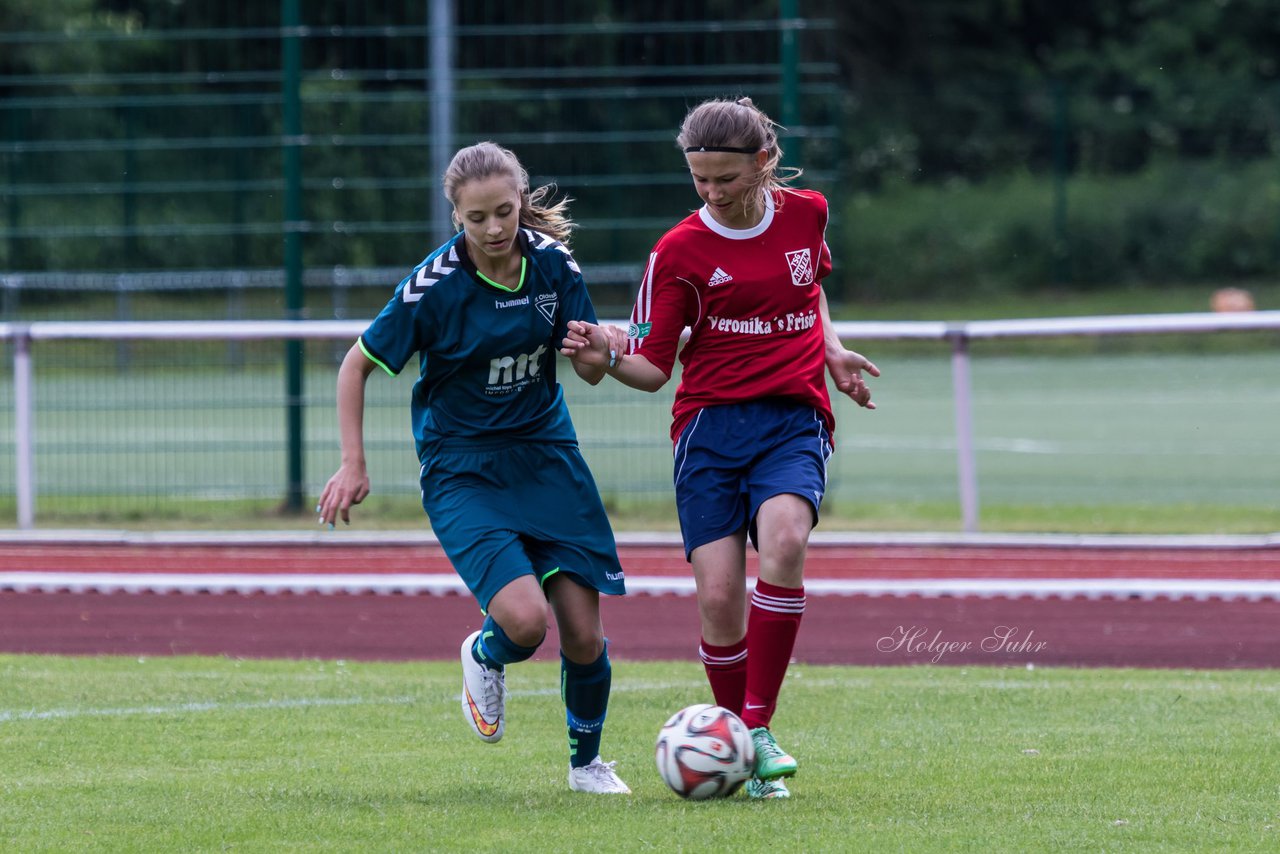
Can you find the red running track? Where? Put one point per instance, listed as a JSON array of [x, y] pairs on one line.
[[1156, 631], [824, 561]]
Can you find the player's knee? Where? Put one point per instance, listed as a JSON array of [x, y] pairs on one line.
[[722, 611], [786, 545], [525, 625], [581, 647], [528, 633], [581, 629]]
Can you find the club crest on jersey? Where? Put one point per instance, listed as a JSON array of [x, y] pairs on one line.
[[801, 267], [546, 305]]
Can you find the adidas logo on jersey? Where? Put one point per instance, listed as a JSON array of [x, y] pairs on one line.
[[719, 277]]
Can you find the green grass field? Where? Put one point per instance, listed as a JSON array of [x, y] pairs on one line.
[[203, 754]]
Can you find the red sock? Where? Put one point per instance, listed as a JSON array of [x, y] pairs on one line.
[[726, 668], [772, 624]]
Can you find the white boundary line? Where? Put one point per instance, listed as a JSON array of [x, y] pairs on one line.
[[439, 585], [15, 715], [635, 538], [188, 708]]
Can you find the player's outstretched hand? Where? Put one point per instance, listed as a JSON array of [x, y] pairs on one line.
[[846, 369], [590, 344], [617, 341], [347, 488]]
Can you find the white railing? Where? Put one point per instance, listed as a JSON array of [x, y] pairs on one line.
[[957, 334], [960, 334]]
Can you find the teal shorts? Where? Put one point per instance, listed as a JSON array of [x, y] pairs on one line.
[[502, 511]]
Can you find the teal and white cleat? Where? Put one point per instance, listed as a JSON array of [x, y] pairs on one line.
[[484, 695], [598, 778], [767, 789], [772, 761]]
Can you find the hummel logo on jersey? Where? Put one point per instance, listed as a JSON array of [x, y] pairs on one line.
[[429, 274], [801, 267], [719, 277]]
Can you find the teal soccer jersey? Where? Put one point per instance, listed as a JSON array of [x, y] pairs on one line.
[[503, 480], [487, 356]]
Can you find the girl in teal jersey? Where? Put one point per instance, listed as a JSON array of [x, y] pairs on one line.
[[503, 482]]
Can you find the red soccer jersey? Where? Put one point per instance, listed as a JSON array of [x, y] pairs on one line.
[[750, 300]]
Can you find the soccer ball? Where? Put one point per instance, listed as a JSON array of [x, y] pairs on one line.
[[705, 751]]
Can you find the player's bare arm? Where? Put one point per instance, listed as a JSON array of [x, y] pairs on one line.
[[632, 369], [350, 484], [844, 365], [605, 346]]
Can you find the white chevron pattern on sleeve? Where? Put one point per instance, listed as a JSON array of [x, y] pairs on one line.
[[538, 240], [429, 274]]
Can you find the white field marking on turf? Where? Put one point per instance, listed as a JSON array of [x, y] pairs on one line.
[[1090, 588], [795, 680], [1180, 687], [8, 716], [617, 688], [12, 715], [1015, 445]]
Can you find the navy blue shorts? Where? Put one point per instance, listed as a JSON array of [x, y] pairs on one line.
[[520, 509], [730, 459]]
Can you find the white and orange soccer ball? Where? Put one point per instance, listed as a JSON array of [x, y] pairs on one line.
[[705, 751]]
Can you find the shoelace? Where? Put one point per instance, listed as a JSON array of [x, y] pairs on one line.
[[493, 699], [768, 748], [603, 771]]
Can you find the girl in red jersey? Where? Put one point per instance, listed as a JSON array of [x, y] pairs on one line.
[[752, 421]]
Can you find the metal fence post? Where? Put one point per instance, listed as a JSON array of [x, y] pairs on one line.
[[293, 228], [441, 88], [23, 423], [966, 467], [789, 71]]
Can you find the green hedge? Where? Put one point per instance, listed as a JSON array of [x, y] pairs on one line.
[[1173, 222]]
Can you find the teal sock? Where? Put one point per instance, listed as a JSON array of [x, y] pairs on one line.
[[585, 691], [495, 650]]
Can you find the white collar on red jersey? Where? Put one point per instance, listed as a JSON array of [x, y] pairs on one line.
[[740, 233]]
